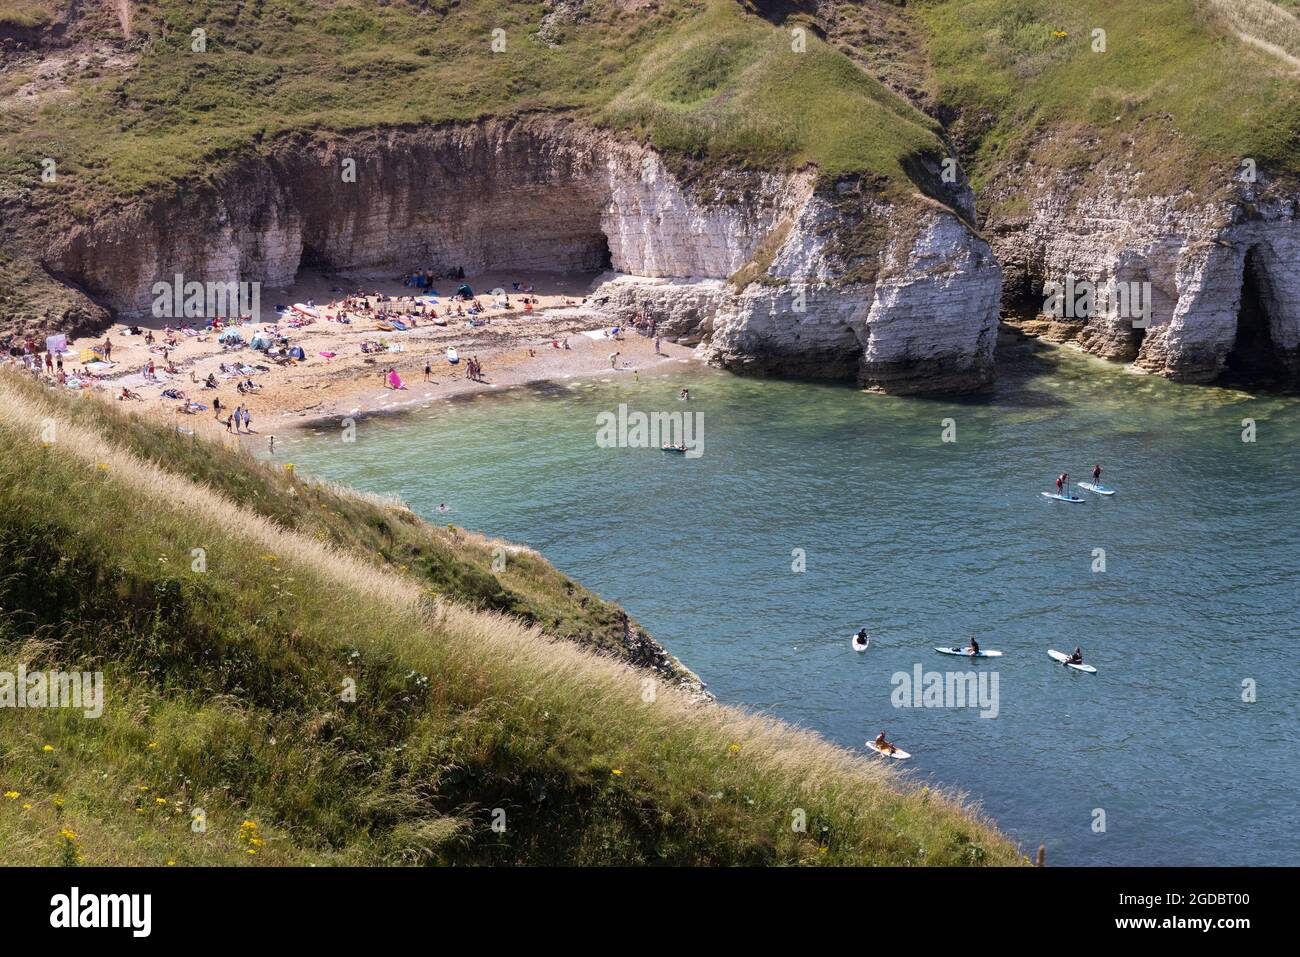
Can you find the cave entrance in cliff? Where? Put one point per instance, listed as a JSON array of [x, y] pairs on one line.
[[314, 260], [1253, 355]]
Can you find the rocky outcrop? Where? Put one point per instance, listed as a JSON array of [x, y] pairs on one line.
[[1215, 274], [769, 272]]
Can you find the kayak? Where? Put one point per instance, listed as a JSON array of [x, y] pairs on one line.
[[675, 448], [883, 752], [1063, 498], [962, 652], [1062, 658], [859, 645], [1099, 489]]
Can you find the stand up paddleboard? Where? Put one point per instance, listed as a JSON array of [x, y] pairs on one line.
[[963, 653], [1099, 489], [859, 644], [1064, 659], [885, 752], [1063, 498]]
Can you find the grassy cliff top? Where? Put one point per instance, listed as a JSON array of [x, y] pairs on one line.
[[227, 690], [1183, 91], [702, 79]]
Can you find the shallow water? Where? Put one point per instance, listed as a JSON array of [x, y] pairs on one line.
[[927, 542]]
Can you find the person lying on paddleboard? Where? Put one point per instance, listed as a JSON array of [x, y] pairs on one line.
[[883, 745], [1076, 658]]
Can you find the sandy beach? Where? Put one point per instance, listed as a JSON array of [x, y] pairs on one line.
[[336, 378]]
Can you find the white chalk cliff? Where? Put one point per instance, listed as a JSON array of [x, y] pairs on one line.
[[770, 273], [1221, 270]]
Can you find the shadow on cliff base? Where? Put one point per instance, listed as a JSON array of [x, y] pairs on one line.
[[1255, 361]]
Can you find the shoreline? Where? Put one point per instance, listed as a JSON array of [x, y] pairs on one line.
[[559, 339]]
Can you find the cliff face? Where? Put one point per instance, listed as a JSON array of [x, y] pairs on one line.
[[1217, 271], [771, 273]]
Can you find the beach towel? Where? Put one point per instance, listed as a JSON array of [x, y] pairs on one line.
[[395, 380], [328, 355], [91, 355], [56, 344]]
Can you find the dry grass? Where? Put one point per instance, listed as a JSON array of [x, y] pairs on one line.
[[1262, 24], [702, 782]]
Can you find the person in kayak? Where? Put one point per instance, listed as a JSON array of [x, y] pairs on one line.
[[1096, 475], [1076, 658], [882, 745]]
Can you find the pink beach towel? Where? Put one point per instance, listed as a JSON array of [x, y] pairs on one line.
[[395, 381]]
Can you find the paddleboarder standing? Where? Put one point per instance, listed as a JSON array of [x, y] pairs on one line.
[[1096, 475]]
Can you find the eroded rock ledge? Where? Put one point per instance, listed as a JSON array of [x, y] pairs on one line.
[[1221, 270], [771, 273]]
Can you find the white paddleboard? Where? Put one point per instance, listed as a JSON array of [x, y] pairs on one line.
[[963, 653], [862, 645], [1063, 498], [896, 753], [1099, 489], [1062, 658]]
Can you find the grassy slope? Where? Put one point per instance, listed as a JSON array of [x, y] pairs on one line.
[[223, 694], [701, 78], [448, 561], [1175, 92]]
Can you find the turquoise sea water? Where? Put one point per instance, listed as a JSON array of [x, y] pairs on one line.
[[927, 542]]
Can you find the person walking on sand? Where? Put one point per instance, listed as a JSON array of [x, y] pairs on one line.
[[428, 370], [658, 340]]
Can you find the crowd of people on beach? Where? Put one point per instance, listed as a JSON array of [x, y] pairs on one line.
[[100, 367]]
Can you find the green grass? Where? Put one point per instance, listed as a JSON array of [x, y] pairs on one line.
[[702, 79], [224, 694], [1175, 92], [26, 14], [460, 565]]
